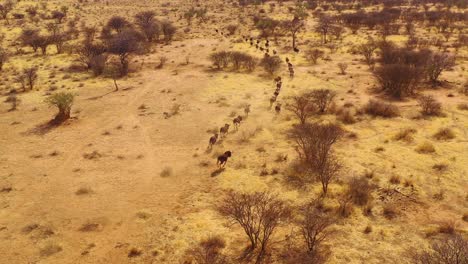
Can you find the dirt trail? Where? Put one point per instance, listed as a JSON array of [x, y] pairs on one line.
[[133, 147]]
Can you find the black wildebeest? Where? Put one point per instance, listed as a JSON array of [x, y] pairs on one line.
[[224, 130], [237, 121], [213, 140], [222, 159], [278, 108]]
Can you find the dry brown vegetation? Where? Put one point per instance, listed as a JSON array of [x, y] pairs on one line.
[[233, 131]]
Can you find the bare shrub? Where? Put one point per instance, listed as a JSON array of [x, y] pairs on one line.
[[444, 134], [437, 63], [342, 66], [169, 30], [382, 109], [360, 190], [315, 228], [398, 80], [314, 144], [220, 59], [452, 249], [367, 50], [405, 135], [390, 211], [425, 148], [259, 214], [208, 251], [429, 106], [322, 98], [313, 55], [271, 64]]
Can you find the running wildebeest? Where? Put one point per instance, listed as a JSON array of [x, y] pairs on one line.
[[224, 130], [222, 159], [278, 108], [213, 140], [279, 84], [237, 121]]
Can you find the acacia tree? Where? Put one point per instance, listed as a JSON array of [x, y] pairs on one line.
[[123, 44], [259, 214], [63, 101], [294, 27], [117, 23], [324, 25], [93, 55], [148, 25]]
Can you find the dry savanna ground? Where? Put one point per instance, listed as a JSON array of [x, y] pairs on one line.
[[107, 109]]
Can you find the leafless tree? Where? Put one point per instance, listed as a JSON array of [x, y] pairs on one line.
[[314, 225], [259, 214], [30, 77], [324, 25], [301, 106], [450, 250]]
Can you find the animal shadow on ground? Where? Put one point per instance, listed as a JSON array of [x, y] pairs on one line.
[[217, 172]]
